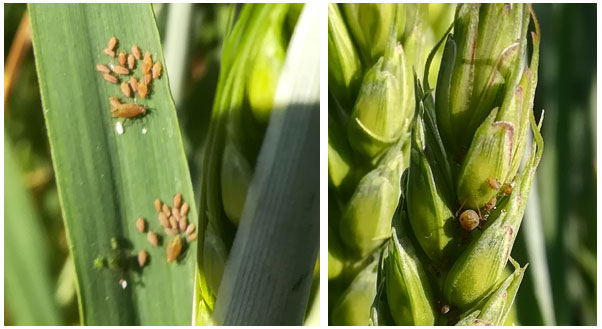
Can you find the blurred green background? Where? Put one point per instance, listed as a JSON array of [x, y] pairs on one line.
[[558, 236]]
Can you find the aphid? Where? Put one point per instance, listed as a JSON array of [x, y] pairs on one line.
[[121, 70], [114, 243], [508, 189], [190, 229], [163, 220], [147, 78], [134, 84], [128, 110], [103, 68], [170, 231], [176, 213], [177, 200], [493, 183], [191, 237], [173, 249], [184, 210], [158, 205], [469, 220], [152, 238], [173, 222], [142, 258], [143, 90], [119, 127], [110, 78], [114, 101], [123, 283], [140, 224], [491, 204], [166, 210], [183, 223], [131, 61], [136, 51], [144, 131], [156, 70], [112, 43], [445, 309], [147, 63], [121, 58], [125, 89], [100, 262], [109, 52]]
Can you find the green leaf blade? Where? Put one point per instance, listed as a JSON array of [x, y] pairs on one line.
[[107, 180]]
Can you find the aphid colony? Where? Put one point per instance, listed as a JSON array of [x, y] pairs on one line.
[[125, 66], [470, 219], [174, 221]]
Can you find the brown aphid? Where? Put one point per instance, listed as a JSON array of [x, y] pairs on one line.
[[184, 209], [191, 237], [183, 224], [152, 238], [156, 70], [128, 111], [176, 213], [131, 61], [147, 63], [112, 43], [491, 204], [493, 183], [125, 88], [173, 222], [148, 78], [190, 229], [163, 220], [166, 210], [121, 70], [134, 85], [170, 231], [110, 78], [158, 203], [103, 68], [469, 220], [109, 52], [177, 200], [136, 51], [140, 224], [142, 255], [508, 189], [114, 101], [445, 309], [142, 90], [173, 249], [121, 58]]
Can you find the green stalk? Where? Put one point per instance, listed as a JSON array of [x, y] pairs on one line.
[[465, 196], [373, 51]]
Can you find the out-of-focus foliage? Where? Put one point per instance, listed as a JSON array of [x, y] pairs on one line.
[[566, 178]]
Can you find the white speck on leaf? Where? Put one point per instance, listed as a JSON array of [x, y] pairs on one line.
[[144, 131], [119, 128]]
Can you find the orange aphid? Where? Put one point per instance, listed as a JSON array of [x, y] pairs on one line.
[[131, 62], [173, 249], [156, 70], [121, 58], [103, 68], [128, 110], [143, 90], [125, 88], [136, 51]]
